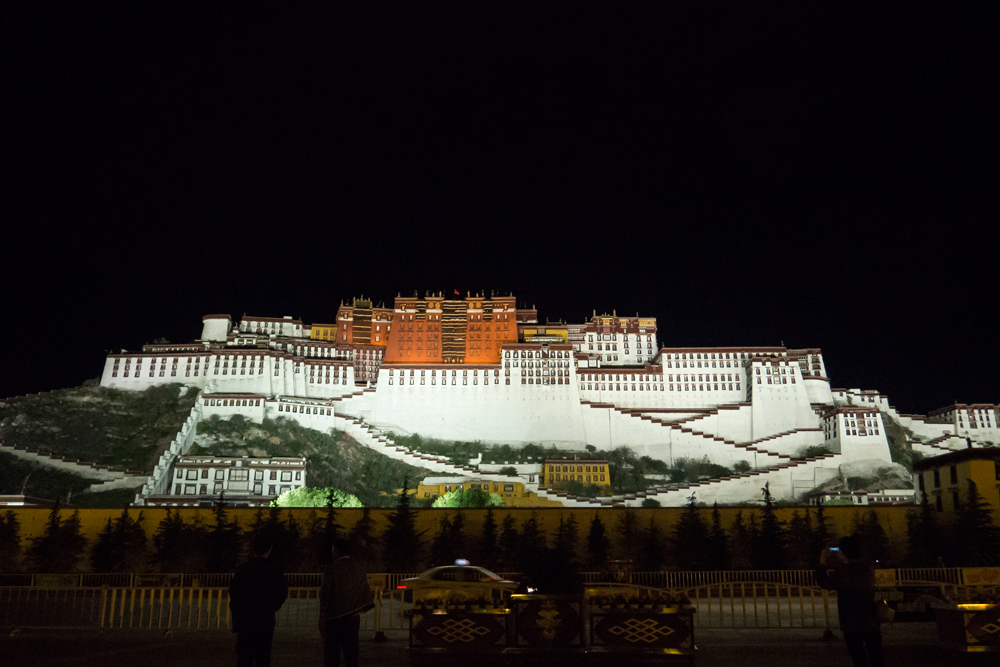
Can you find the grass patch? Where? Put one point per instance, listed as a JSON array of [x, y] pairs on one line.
[[43, 482], [105, 499], [99, 424]]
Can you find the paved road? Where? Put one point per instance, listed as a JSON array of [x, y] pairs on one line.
[[906, 645]]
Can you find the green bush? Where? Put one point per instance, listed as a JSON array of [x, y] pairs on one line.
[[814, 451], [313, 497], [472, 498]]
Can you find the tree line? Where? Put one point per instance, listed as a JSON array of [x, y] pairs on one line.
[[756, 539]]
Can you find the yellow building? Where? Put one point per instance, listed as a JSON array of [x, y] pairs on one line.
[[511, 489], [548, 333], [323, 332], [557, 473], [945, 479]]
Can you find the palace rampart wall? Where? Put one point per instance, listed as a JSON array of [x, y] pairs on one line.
[[841, 519]]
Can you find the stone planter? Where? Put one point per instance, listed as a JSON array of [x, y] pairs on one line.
[[970, 627], [457, 630], [652, 631], [547, 623]]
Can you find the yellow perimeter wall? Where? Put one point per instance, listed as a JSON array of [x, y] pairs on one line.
[[841, 518]]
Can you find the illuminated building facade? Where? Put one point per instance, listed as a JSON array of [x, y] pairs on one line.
[[480, 368]]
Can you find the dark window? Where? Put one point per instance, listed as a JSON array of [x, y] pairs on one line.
[[920, 480], [937, 479], [954, 474], [954, 500], [937, 503]]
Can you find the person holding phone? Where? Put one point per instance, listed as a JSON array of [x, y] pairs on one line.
[[845, 570]]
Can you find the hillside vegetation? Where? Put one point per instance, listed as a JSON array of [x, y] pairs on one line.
[[98, 424], [334, 459]]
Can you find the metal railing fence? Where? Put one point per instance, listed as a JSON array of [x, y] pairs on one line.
[[663, 579], [189, 608], [736, 605]]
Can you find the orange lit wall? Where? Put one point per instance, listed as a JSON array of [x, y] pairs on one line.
[[416, 332], [376, 324], [491, 323]]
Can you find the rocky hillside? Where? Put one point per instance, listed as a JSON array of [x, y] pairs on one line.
[[98, 424], [335, 459]]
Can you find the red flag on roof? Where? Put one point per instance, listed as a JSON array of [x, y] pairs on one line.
[[456, 293]]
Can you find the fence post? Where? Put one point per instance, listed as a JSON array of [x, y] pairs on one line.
[[828, 630], [104, 604], [379, 634]]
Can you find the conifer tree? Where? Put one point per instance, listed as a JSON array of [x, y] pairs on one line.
[[822, 534], [223, 541], [488, 542], [283, 535], [10, 543], [799, 542], [718, 542], [120, 546], [740, 544], [924, 535], [72, 541], [440, 547], [101, 555], [323, 542], [769, 545], [690, 540], [598, 544], [507, 551], [875, 540], [169, 542], [457, 539], [364, 540], [567, 536], [401, 540], [532, 546], [293, 559], [60, 546], [627, 531], [975, 536], [651, 554]]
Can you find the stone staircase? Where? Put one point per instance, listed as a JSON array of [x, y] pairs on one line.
[[733, 488], [753, 446], [365, 435]]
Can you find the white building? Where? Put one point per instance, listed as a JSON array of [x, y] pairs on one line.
[[200, 480]]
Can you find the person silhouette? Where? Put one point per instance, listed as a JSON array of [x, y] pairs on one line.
[[257, 592], [853, 577], [344, 596]]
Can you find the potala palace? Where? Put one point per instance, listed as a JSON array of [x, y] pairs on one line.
[[480, 368]]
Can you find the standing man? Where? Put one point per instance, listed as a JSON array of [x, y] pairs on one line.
[[345, 595], [846, 570], [257, 592]]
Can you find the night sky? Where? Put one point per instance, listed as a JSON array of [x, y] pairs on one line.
[[815, 174]]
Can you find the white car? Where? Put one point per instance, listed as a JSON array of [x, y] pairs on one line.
[[461, 581]]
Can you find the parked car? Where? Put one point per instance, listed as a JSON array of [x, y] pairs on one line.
[[467, 581]]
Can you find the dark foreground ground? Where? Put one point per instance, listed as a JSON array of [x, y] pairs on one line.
[[911, 644]]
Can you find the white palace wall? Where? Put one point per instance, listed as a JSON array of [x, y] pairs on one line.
[[818, 390], [497, 412], [269, 373]]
